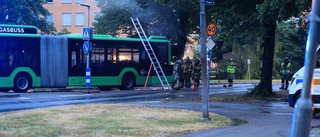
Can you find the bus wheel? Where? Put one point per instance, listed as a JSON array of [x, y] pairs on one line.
[[22, 82], [128, 81]]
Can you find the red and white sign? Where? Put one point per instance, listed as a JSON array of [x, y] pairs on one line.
[[211, 29]]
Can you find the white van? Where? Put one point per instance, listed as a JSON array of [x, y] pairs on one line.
[[295, 88]]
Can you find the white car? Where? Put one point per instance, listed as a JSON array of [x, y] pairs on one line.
[[296, 86]]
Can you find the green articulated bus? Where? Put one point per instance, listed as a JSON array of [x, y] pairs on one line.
[[30, 60]]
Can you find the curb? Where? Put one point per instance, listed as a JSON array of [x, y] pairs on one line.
[[86, 90], [77, 89], [68, 89]]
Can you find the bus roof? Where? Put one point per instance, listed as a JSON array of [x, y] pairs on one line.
[[109, 37], [18, 29]]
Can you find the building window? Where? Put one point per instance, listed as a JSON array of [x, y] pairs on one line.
[[79, 19], [66, 1], [50, 18], [80, 1], [49, 1], [66, 19]]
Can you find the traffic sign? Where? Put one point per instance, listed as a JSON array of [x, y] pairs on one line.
[[86, 47], [211, 29], [87, 33], [210, 44]]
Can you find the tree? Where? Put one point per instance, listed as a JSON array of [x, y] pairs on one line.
[[115, 17], [269, 13], [25, 12]]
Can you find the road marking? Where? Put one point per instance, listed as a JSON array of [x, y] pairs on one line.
[[142, 102], [23, 98], [75, 95]]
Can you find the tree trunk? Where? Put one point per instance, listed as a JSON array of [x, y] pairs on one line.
[[264, 88]]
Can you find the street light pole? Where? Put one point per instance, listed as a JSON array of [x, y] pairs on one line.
[[203, 36], [88, 6]]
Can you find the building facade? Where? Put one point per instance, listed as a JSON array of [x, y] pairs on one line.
[[70, 14]]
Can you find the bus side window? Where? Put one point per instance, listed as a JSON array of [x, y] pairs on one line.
[[98, 56], [14, 59], [3, 59], [11, 60], [109, 55], [73, 58]]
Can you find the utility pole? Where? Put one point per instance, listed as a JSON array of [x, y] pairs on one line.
[[203, 37], [301, 121]]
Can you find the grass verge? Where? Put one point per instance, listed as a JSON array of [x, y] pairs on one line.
[[100, 120]]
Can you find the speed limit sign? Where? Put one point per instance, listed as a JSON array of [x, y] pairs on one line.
[[211, 29]]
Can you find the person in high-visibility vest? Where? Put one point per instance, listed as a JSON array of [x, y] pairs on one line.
[[231, 70], [285, 72]]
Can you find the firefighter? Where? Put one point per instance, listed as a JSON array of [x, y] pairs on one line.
[[230, 70], [186, 72], [196, 71], [176, 72], [285, 72]]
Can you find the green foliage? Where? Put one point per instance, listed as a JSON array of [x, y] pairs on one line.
[[25, 12], [115, 18], [196, 53], [236, 26], [64, 31], [270, 11]]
